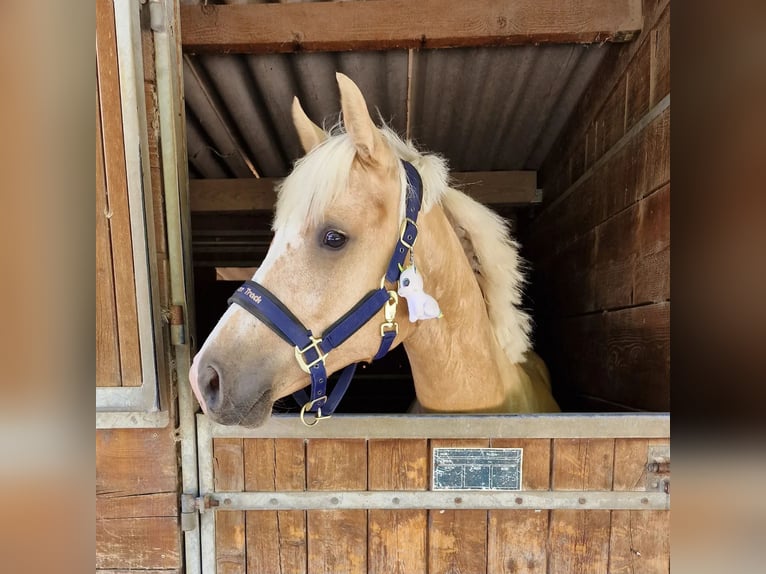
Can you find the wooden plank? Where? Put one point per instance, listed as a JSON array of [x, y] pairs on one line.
[[582, 464], [651, 282], [610, 121], [397, 538], [635, 170], [638, 78], [517, 539], [135, 461], [275, 540], [337, 539], [137, 506], [517, 542], [630, 458], [640, 542], [457, 540], [581, 124], [536, 461], [253, 194], [654, 154], [498, 187], [257, 194], [399, 24], [107, 346], [228, 461], [660, 60], [621, 356], [137, 499], [138, 543], [578, 541], [117, 189]]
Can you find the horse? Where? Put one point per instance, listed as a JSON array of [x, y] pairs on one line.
[[358, 194]]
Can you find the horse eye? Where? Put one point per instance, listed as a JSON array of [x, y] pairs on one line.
[[406, 282], [334, 239]]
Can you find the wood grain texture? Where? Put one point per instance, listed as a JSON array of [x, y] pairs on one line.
[[337, 539], [137, 499], [517, 542], [639, 83], [640, 542], [582, 464], [582, 125], [622, 356], [579, 541], [536, 460], [138, 543], [276, 541], [397, 538], [457, 540], [228, 463], [117, 189], [630, 459], [660, 86], [398, 24], [517, 539], [258, 194], [107, 344]]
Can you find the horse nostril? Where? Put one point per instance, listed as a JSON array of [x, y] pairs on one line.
[[210, 385]]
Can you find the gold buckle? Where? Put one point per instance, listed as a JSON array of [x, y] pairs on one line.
[[318, 415], [403, 229], [302, 362], [389, 312], [388, 327]]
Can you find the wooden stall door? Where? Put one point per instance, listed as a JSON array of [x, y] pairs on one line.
[[576, 537]]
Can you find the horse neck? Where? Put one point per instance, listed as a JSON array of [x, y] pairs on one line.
[[457, 363]]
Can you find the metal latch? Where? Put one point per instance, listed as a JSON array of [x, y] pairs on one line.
[[177, 325], [191, 506], [658, 469]]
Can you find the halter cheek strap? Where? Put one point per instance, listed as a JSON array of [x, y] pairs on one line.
[[310, 351]]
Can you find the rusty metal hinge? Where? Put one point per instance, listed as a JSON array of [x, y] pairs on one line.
[[658, 469], [191, 506]]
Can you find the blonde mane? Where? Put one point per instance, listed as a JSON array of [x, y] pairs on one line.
[[322, 174]]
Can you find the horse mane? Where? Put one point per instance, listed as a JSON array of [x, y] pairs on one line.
[[318, 177]]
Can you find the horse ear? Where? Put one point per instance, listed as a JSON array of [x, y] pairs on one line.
[[310, 134], [359, 124]]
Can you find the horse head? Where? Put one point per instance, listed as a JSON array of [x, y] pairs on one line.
[[338, 217]]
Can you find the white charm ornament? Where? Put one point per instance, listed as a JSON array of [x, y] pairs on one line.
[[419, 303]]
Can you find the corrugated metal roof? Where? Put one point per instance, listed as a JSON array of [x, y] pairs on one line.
[[483, 108]]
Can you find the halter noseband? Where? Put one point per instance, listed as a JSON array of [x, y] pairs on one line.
[[310, 351]]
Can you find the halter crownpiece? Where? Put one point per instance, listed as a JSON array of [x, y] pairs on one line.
[[311, 351]]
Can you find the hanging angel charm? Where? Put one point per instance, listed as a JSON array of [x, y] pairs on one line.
[[419, 303]]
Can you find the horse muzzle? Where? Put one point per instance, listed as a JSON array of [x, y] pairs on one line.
[[221, 397]]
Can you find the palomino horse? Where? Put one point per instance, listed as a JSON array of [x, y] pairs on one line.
[[359, 195]]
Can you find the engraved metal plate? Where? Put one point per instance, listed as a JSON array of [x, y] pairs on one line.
[[477, 468]]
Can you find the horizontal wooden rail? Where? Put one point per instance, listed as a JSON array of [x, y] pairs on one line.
[[403, 24], [257, 194]]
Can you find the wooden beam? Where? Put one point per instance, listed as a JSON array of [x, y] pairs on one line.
[[402, 24], [257, 194]]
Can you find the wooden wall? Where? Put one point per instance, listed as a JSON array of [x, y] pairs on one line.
[[600, 248], [419, 540], [137, 488]]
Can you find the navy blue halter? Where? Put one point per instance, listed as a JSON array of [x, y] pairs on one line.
[[310, 351]]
